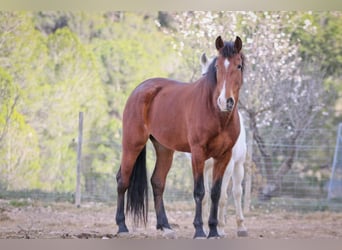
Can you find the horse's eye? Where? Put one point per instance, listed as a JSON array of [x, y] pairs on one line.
[[239, 66]]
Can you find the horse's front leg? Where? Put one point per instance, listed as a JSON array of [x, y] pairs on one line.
[[218, 172], [199, 192]]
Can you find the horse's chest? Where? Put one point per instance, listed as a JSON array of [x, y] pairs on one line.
[[220, 144]]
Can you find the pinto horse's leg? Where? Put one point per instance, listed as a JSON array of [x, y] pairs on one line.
[[218, 172], [224, 198], [237, 193], [208, 169], [163, 164]]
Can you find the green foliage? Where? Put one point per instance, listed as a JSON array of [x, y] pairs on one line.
[[326, 50], [7, 97], [319, 36], [19, 145], [72, 84]]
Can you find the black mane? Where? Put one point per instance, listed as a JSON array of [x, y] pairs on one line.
[[211, 72]]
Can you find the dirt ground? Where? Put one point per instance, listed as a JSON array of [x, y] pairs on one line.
[[93, 220]]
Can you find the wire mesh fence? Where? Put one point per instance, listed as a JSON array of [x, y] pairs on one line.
[[303, 186]]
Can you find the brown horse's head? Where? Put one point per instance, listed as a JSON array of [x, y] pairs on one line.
[[228, 67]]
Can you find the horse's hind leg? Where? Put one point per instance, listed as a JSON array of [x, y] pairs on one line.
[[163, 164], [237, 193], [120, 212], [130, 154]]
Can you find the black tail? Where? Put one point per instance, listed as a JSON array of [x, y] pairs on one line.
[[137, 192]]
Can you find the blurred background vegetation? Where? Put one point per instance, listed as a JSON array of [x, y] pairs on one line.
[[54, 64]]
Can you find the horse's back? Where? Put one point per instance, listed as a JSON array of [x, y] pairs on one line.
[[146, 91]]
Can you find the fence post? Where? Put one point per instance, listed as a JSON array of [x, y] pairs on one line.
[[79, 158], [248, 172], [335, 183]]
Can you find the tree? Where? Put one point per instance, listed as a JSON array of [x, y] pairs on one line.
[[71, 84], [18, 141], [326, 50], [282, 93], [8, 101], [194, 32], [19, 152], [319, 35]]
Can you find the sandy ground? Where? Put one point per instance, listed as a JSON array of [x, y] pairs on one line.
[[93, 220]]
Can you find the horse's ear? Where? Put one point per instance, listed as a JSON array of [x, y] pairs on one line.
[[204, 59], [219, 43], [238, 44]]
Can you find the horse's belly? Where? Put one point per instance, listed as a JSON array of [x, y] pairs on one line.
[[169, 130], [171, 137]]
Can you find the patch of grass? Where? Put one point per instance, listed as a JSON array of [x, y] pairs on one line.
[[19, 203]]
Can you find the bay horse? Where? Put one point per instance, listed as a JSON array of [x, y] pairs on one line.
[[234, 170], [201, 118]]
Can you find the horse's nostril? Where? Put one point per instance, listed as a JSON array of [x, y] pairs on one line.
[[230, 103]]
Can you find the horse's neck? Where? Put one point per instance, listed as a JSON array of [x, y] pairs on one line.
[[204, 91], [226, 118]]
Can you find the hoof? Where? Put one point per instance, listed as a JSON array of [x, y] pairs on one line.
[[169, 233], [214, 237], [200, 238], [122, 234], [243, 233], [222, 233], [199, 233], [213, 234], [122, 229]]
